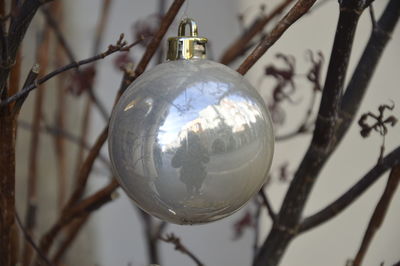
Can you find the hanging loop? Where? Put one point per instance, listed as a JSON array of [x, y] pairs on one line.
[[192, 26]]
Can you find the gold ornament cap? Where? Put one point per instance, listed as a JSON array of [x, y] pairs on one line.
[[184, 46]]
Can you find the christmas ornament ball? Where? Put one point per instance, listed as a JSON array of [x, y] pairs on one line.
[[191, 141]]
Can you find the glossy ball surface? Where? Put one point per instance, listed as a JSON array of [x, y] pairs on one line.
[[191, 141]]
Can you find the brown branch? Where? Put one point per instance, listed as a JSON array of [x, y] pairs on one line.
[[66, 47], [16, 32], [30, 79], [298, 10], [86, 168], [73, 232], [379, 214], [15, 75], [180, 247], [84, 127], [240, 46], [334, 208], [49, 237], [8, 241], [156, 40], [60, 114], [55, 131], [42, 58], [65, 217], [51, 21], [83, 208], [120, 46]]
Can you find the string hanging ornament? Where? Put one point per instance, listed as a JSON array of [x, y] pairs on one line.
[[190, 140]]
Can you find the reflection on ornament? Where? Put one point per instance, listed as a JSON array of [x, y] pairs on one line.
[[190, 140]]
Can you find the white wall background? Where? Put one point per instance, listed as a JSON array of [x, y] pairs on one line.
[[118, 231]]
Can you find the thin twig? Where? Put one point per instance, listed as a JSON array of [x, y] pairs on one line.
[[66, 47], [86, 168], [86, 115], [151, 241], [73, 232], [55, 131], [372, 15], [171, 238], [340, 204], [60, 113], [379, 214], [51, 21], [83, 208], [297, 11], [33, 160], [121, 46], [156, 40], [257, 221], [30, 79], [240, 46], [267, 204]]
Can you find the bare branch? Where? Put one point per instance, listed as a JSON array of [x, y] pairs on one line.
[[86, 168], [297, 11], [48, 239], [42, 58], [180, 247], [55, 131], [16, 33], [119, 46], [334, 208], [240, 46], [379, 214], [83, 208], [268, 205], [155, 42], [73, 232], [319, 150], [30, 79], [366, 66]]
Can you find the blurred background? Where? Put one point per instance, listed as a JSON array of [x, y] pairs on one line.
[[114, 234]]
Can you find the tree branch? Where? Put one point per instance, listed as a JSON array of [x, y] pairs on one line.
[[83, 208], [49, 237], [268, 205], [379, 214], [298, 10], [366, 66], [319, 150], [155, 42], [240, 46], [334, 208], [42, 58], [120, 46], [55, 131], [179, 246], [16, 33]]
